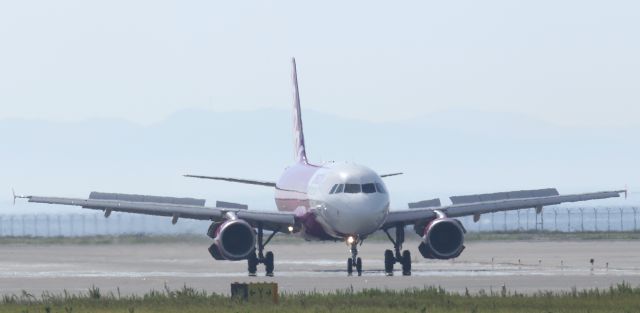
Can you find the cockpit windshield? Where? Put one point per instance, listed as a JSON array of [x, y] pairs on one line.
[[352, 188], [369, 188], [357, 188]]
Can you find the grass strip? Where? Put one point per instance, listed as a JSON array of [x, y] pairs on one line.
[[619, 298]]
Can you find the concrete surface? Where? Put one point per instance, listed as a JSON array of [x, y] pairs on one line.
[[137, 268]]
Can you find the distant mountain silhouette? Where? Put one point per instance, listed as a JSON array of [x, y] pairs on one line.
[[442, 154]]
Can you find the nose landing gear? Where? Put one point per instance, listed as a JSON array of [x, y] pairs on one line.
[[354, 260], [391, 258], [267, 259]]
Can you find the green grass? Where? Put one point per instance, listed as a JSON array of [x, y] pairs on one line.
[[619, 298]]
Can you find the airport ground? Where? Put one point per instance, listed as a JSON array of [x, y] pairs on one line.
[[135, 268]]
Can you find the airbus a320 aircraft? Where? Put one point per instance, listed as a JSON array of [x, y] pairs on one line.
[[332, 201]]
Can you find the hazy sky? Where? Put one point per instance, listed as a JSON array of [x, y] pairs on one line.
[[569, 62]]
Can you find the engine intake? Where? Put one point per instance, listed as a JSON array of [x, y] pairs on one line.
[[232, 240], [443, 238]]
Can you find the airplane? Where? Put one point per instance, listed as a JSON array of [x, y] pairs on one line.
[[337, 201]]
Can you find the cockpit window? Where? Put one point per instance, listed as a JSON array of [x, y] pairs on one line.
[[368, 188], [380, 188], [333, 189], [352, 188], [339, 189]]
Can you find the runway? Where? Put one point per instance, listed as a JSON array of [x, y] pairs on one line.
[[525, 267]]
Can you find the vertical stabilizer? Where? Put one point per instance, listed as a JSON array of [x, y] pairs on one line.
[[298, 134]]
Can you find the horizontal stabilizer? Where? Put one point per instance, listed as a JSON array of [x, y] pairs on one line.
[[520, 194], [231, 205], [433, 203], [236, 180], [391, 174], [148, 199]]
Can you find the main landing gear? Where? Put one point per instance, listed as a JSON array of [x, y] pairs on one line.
[[267, 259], [391, 258], [354, 260]]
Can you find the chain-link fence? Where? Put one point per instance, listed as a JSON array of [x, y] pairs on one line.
[[563, 219]]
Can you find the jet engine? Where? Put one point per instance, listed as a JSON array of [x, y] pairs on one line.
[[442, 238], [232, 240]]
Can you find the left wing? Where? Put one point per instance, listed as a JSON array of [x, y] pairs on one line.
[[486, 203], [168, 206]]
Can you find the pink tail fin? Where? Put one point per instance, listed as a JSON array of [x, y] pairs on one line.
[[298, 134]]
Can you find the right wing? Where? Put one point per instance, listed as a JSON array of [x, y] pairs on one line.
[[168, 206], [236, 180], [481, 204]]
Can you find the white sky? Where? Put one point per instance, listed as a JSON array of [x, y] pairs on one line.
[[566, 62]]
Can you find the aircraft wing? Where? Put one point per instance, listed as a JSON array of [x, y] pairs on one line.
[[168, 206], [477, 205]]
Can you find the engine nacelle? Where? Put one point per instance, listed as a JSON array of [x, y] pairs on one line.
[[443, 238], [232, 240]]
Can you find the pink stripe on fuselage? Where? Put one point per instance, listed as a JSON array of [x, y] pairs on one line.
[[291, 188]]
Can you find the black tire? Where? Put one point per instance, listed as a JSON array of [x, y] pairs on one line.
[[406, 263], [268, 263], [252, 264], [389, 260], [349, 266], [359, 266]]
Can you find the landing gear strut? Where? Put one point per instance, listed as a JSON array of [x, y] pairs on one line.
[[354, 260], [267, 259], [393, 257]]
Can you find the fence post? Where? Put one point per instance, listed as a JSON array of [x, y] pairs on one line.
[[95, 224], [35, 225], [505, 221], [84, 226], [58, 217], [24, 226], [581, 219], [635, 212], [1, 228], [518, 219], [528, 211], [621, 226], [608, 219], [555, 218], [11, 218], [493, 228], [595, 215], [48, 221], [569, 217]]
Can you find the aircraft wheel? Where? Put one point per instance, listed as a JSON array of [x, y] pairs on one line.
[[359, 266], [389, 260], [406, 263], [350, 266], [268, 263], [252, 264]]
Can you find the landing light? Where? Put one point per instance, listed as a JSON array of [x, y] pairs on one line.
[[290, 228], [350, 239]]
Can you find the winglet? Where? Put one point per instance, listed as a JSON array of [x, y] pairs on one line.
[[13, 192]]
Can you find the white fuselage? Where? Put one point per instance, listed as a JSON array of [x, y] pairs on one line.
[[344, 199]]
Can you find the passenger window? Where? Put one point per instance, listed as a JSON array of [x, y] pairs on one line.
[[352, 188], [380, 188], [333, 189], [369, 188], [340, 188]]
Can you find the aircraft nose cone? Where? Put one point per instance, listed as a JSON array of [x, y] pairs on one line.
[[361, 215]]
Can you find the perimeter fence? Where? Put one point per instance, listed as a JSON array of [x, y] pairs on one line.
[[561, 219]]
